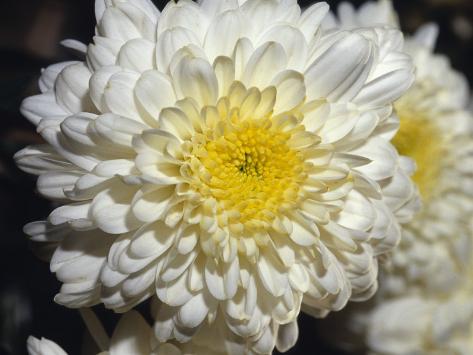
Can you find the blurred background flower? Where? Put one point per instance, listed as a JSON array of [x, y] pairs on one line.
[[30, 32]]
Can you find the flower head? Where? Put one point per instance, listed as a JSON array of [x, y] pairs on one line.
[[230, 157], [424, 302]]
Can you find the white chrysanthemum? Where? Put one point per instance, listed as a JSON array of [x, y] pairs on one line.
[[425, 302], [227, 156], [436, 132]]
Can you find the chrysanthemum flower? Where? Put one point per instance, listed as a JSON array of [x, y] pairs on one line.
[[424, 306], [230, 157]]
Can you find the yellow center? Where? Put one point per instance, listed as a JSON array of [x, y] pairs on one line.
[[420, 139], [250, 169]]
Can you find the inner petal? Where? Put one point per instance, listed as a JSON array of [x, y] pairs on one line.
[[249, 167]]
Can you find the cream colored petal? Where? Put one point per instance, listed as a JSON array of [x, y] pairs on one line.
[[195, 77], [169, 42], [243, 50], [43, 347], [40, 159], [70, 213], [290, 89], [185, 14], [111, 209], [49, 75], [97, 84], [139, 283], [333, 68], [149, 206], [119, 97], [103, 52], [225, 72], [293, 42], [193, 313], [75, 130], [154, 91], [272, 273], [152, 240], [383, 159], [72, 89], [265, 63], [131, 336], [125, 22], [177, 123], [174, 293], [137, 55], [53, 184], [116, 129], [37, 107], [357, 213], [176, 264], [287, 337], [223, 34], [385, 89], [311, 19]]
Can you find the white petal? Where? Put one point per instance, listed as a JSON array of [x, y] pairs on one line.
[[151, 205], [75, 45], [241, 55], [119, 95], [131, 336], [137, 55], [53, 184], [40, 159], [103, 52], [333, 67], [287, 336], [193, 313], [50, 74], [293, 42], [72, 88], [35, 108], [195, 78], [223, 34], [152, 240], [118, 130], [184, 14], [225, 72], [154, 92], [266, 62], [272, 273], [111, 209], [43, 347], [169, 42], [290, 90], [311, 19], [69, 213], [385, 89], [214, 279], [98, 83]]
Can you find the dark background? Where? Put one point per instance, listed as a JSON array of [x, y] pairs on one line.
[[30, 31]]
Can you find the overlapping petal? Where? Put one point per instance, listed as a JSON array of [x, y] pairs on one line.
[[234, 178]]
